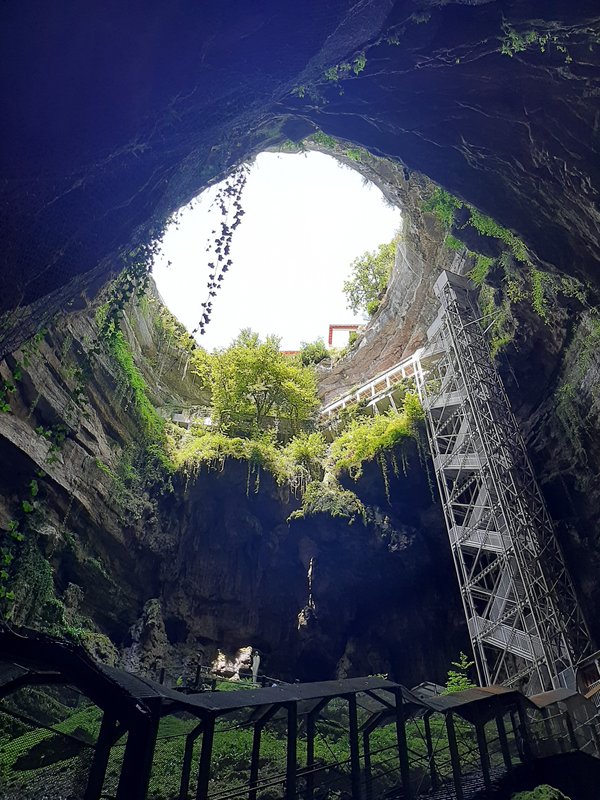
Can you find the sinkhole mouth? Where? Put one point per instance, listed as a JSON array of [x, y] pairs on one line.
[[269, 249]]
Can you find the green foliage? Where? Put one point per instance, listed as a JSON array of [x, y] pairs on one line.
[[572, 287], [514, 42], [539, 298], [306, 452], [486, 226], [253, 386], [297, 463], [373, 307], [458, 678], [324, 140], [212, 448], [27, 352], [543, 792], [344, 70], [152, 424], [369, 277], [575, 388], [480, 271], [313, 352], [452, 243], [55, 435], [328, 497], [173, 332], [444, 206], [365, 438], [359, 63], [131, 281], [497, 319], [354, 153]]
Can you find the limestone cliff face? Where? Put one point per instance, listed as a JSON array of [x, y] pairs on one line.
[[409, 306], [72, 431], [238, 575], [169, 574], [552, 374]]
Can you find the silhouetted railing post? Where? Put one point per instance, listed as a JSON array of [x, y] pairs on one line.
[[255, 759], [186, 767], [139, 751], [402, 745], [208, 735], [430, 754], [503, 741], [484, 755], [454, 755], [571, 731], [291, 756], [354, 748], [368, 775], [101, 756]]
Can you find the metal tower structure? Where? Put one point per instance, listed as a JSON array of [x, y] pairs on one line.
[[524, 620]]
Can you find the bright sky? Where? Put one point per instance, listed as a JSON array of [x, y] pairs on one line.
[[306, 219]]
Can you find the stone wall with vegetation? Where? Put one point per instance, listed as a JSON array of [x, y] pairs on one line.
[[151, 543]]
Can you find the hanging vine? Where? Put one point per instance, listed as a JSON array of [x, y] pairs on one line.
[[228, 202]]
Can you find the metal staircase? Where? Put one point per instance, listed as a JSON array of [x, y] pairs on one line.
[[525, 624]]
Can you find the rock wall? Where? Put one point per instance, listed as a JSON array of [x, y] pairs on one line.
[[164, 575], [493, 100], [409, 306]]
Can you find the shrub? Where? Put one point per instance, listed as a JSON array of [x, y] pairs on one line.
[[369, 278], [365, 438], [313, 352], [444, 206]]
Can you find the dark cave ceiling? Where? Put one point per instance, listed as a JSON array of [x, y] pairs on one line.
[[115, 115]]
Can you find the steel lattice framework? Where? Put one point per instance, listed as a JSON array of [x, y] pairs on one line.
[[524, 620]]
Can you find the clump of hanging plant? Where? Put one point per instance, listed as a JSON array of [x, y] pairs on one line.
[[365, 439], [228, 203]]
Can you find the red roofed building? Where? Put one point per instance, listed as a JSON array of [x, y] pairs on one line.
[[338, 334]]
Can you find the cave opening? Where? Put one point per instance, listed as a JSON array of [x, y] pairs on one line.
[[307, 216]]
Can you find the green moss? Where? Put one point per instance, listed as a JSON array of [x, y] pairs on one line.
[[444, 206], [452, 243], [480, 271], [540, 284], [366, 438], [152, 424], [543, 792], [497, 318], [330, 498], [324, 140], [354, 154], [486, 226], [573, 393], [212, 448]]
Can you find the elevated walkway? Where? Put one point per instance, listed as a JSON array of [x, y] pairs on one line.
[[97, 731], [378, 392]]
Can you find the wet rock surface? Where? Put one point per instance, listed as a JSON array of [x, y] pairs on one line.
[[97, 157]]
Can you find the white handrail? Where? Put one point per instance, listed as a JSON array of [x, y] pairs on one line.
[[405, 368]]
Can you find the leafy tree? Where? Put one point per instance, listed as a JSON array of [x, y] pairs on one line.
[[313, 352], [252, 381], [369, 278], [458, 679]]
